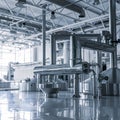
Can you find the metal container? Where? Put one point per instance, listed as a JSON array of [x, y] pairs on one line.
[[50, 89], [111, 89], [27, 87]]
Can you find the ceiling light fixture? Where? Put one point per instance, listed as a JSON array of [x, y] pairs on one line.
[[81, 15], [52, 15]]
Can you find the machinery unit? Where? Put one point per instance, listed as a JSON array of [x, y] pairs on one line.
[[110, 88], [85, 67], [75, 65], [27, 86]]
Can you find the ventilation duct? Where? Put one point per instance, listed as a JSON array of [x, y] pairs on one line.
[[21, 3], [70, 6]]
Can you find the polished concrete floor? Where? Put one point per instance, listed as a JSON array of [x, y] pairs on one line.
[[15, 105]]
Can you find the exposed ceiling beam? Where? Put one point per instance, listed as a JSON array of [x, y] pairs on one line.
[[21, 22], [5, 25], [89, 7], [47, 9], [27, 18], [73, 26]]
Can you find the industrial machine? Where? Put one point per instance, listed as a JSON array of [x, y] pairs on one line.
[[28, 85], [108, 87], [48, 77], [74, 66], [10, 72]]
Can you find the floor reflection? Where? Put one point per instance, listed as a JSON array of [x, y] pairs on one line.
[[16, 105]]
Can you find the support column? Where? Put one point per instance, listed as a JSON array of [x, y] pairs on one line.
[[76, 109], [112, 5], [9, 71], [66, 52], [78, 55], [111, 59], [38, 80], [53, 49], [75, 51], [99, 58], [76, 86], [72, 51], [94, 86], [44, 34]]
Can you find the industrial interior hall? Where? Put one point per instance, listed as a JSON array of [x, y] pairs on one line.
[[59, 59]]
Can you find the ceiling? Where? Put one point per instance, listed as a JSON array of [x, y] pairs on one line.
[[21, 20]]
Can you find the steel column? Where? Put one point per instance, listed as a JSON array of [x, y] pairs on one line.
[[66, 52], [71, 51], [9, 71], [53, 49], [78, 55], [112, 18], [94, 85], [76, 108], [76, 86], [44, 34]]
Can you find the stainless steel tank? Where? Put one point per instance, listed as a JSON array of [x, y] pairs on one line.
[[50, 89]]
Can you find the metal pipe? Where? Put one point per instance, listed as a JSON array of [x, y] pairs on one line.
[[112, 18], [44, 35], [94, 85], [88, 6], [53, 49], [66, 52], [74, 25], [76, 86], [71, 51], [9, 72], [48, 10]]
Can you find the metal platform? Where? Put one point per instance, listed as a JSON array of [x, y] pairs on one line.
[[57, 69]]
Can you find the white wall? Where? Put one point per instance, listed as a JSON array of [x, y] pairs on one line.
[[22, 72]]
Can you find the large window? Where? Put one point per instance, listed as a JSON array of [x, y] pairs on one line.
[[8, 54], [23, 55]]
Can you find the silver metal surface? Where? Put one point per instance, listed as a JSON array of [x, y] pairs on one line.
[[53, 49], [111, 87], [112, 6], [76, 86], [57, 69], [50, 89], [69, 5], [43, 35], [27, 87]]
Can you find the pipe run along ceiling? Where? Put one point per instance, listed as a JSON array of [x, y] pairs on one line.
[[69, 5], [27, 20]]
